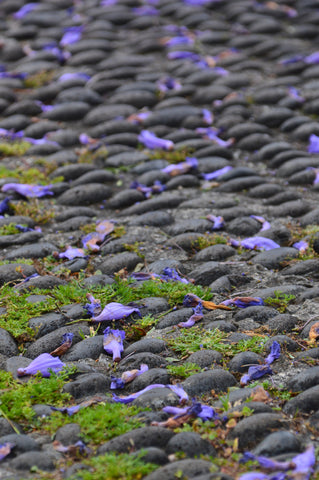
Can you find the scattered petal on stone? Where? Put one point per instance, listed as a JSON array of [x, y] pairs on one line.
[[94, 307], [5, 449], [75, 408], [115, 311], [217, 173], [181, 168], [196, 317], [28, 190], [79, 449], [150, 140], [72, 252], [302, 246], [218, 221], [127, 377], [244, 302], [313, 146], [259, 243], [265, 225], [43, 364], [66, 344], [113, 342]]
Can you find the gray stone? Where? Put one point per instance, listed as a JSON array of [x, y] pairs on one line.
[[85, 194], [191, 444], [189, 468], [8, 346], [200, 383]]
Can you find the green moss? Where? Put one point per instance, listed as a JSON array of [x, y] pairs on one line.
[[17, 398], [39, 79], [174, 156], [9, 229], [39, 211], [113, 466], [15, 148], [192, 340], [99, 423], [185, 370], [208, 240]]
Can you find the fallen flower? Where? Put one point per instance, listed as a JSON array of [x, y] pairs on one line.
[[5, 449], [171, 274], [158, 187], [259, 243], [183, 415], [180, 392], [79, 449], [28, 190], [102, 229], [72, 252], [71, 35], [257, 371], [127, 377], [313, 146], [150, 140], [4, 206], [94, 307], [181, 168], [113, 342], [72, 410], [23, 11], [73, 76], [217, 173], [265, 225], [208, 117], [302, 246], [115, 311], [244, 302], [43, 364], [218, 221], [196, 317], [65, 345], [211, 134], [191, 300]]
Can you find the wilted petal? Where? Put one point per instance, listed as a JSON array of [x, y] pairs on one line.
[[259, 243], [211, 134], [183, 54], [5, 449], [175, 410], [66, 344], [207, 413], [168, 83], [244, 302], [208, 117], [302, 246], [191, 300], [274, 352], [72, 252], [4, 206], [42, 364], [171, 274], [217, 173], [313, 146], [94, 307], [313, 58], [91, 240], [181, 168], [28, 190], [78, 449], [113, 343], [196, 317], [314, 332], [304, 463], [150, 140], [115, 311], [127, 377], [105, 227], [75, 408], [71, 35], [255, 372], [73, 76]]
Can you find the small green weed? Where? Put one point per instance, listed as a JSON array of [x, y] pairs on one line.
[[185, 370], [39, 79], [118, 231], [280, 301], [9, 229], [174, 156]]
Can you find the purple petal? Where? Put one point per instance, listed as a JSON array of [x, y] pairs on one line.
[[183, 54], [67, 337], [302, 246], [259, 243], [42, 364], [75, 408], [175, 410], [23, 11], [71, 35], [73, 76], [168, 83], [180, 168], [171, 274], [313, 58], [207, 413], [145, 10], [132, 397], [313, 146], [94, 307], [255, 372], [304, 463], [115, 311], [217, 173], [28, 190], [211, 134], [113, 343], [72, 252], [183, 397], [191, 300], [4, 206], [127, 377], [116, 383], [265, 225], [207, 116], [179, 40], [254, 476], [244, 302], [150, 140], [274, 352], [196, 317], [5, 449], [218, 221]]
